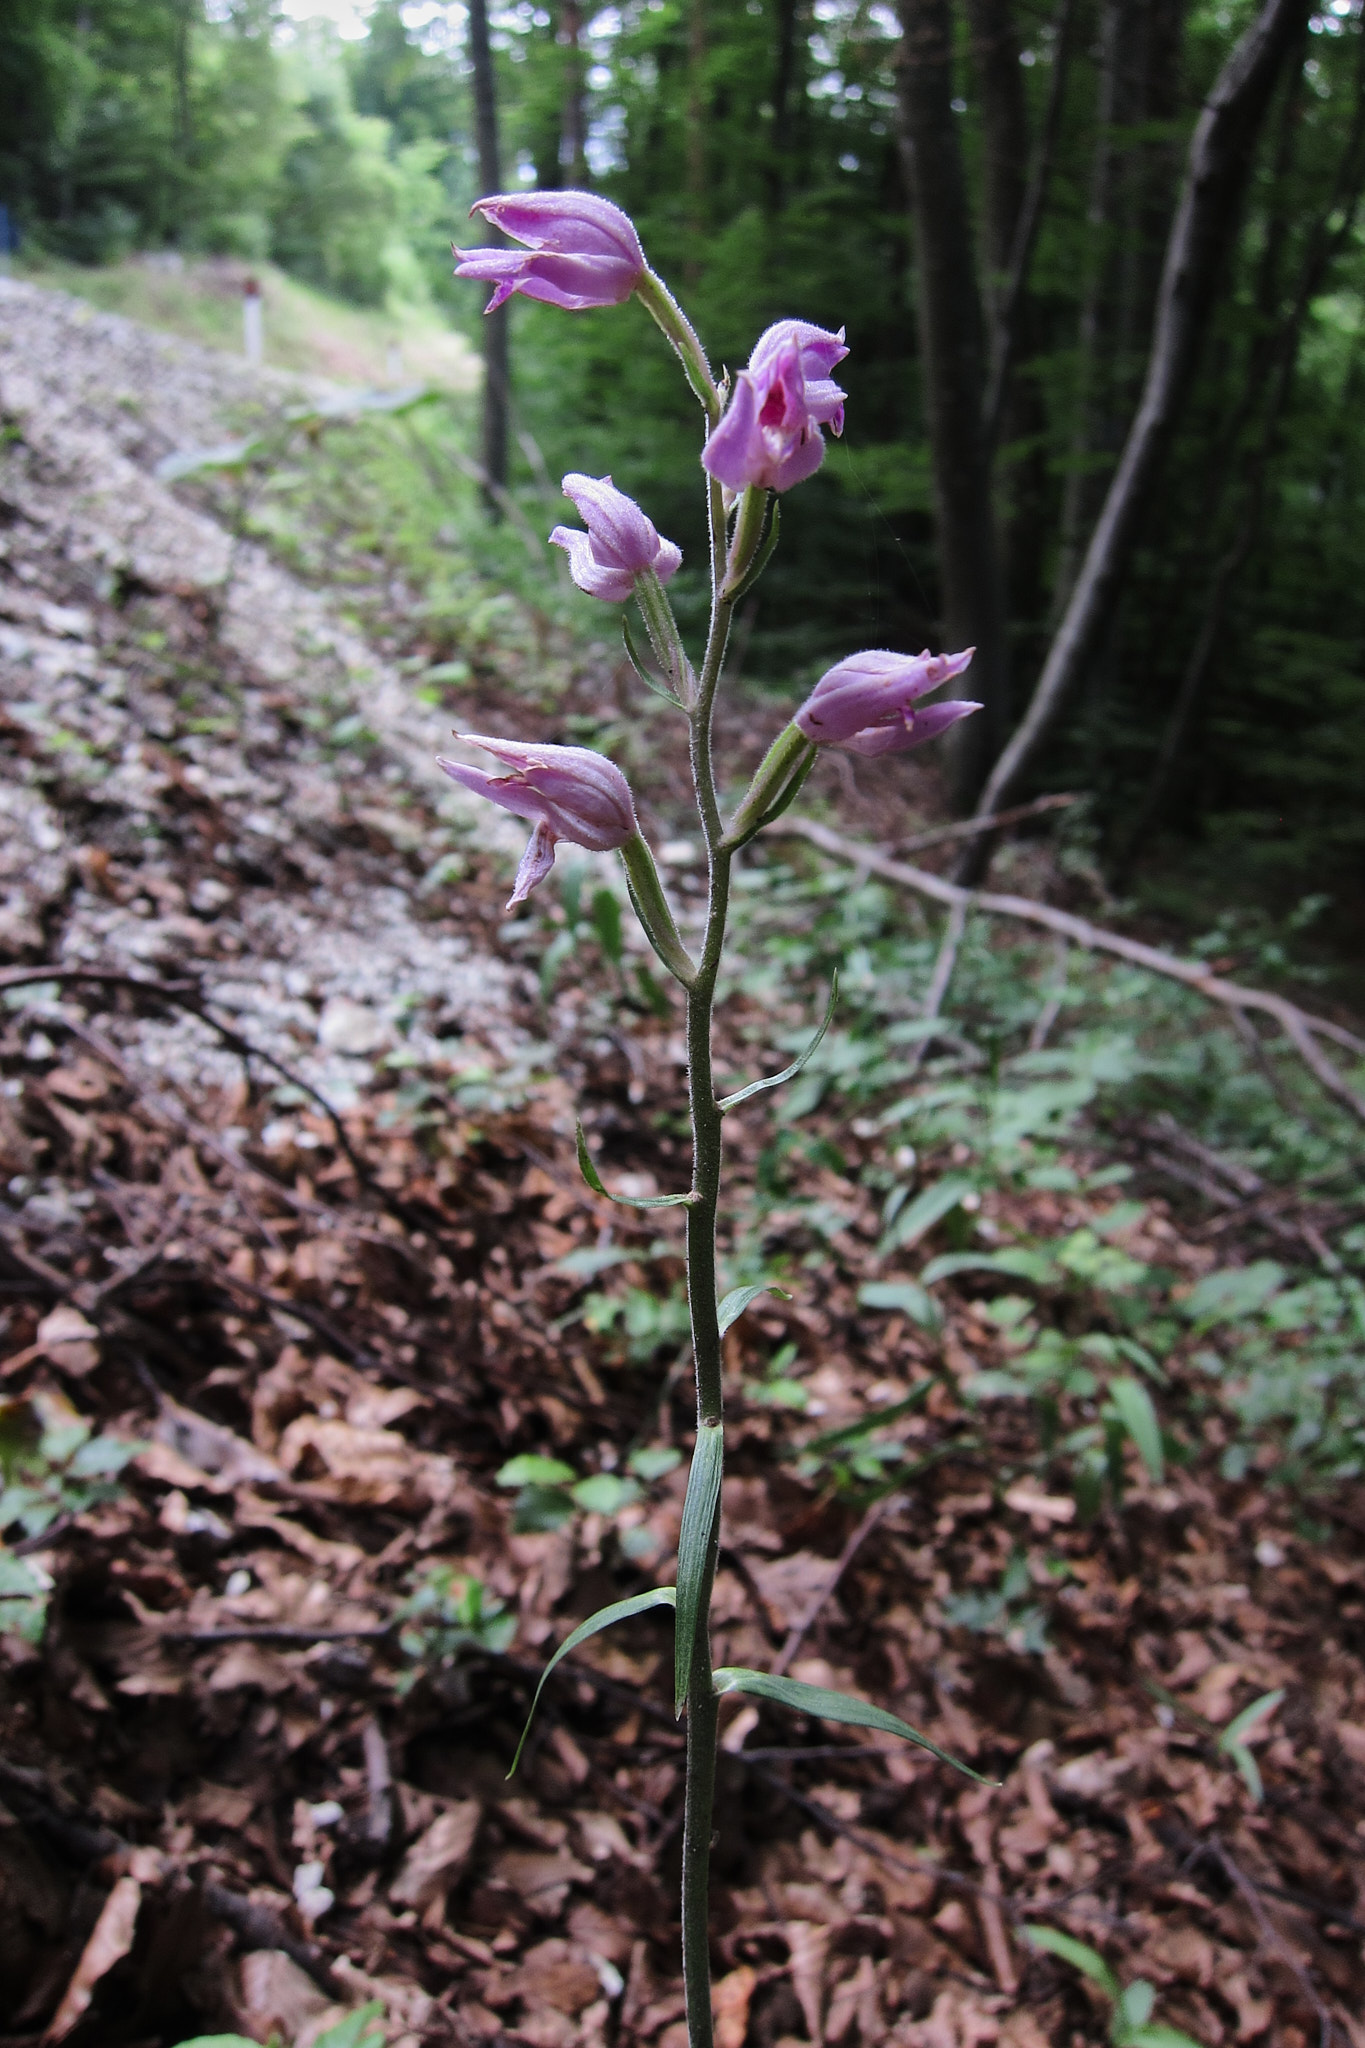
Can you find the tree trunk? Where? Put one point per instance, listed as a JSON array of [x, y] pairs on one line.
[[1217, 170], [953, 363], [1080, 495], [696, 138], [1004, 121], [573, 127], [495, 353], [784, 79], [1331, 232]]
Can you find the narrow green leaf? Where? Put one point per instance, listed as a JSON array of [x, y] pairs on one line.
[[594, 1180], [788, 1073], [639, 661], [190, 461], [929, 1207], [905, 1296], [877, 1418], [1239, 1726], [1249, 1769], [824, 1705], [1133, 1405], [694, 1548], [620, 1610], [532, 1470], [220, 2041], [790, 793], [1081, 1957], [1015, 1261], [762, 556], [359, 2029], [1135, 2004], [733, 1304], [1156, 2037], [605, 913]]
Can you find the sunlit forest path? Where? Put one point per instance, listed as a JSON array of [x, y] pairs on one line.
[[342, 1396]]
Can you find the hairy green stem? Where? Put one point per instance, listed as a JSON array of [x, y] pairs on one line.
[[660, 303], [702, 1295]]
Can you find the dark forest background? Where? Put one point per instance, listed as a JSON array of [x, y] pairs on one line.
[[769, 152]]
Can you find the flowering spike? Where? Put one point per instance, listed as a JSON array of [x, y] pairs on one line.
[[581, 251], [770, 435], [620, 545], [568, 793], [866, 703]]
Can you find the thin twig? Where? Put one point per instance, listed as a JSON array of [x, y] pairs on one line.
[[1300, 1027], [970, 828], [1271, 1935], [802, 1627], [942, 976], [187, 996]]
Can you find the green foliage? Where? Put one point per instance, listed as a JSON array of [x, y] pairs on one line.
[[1232, 1742], [549, 1494], [52, 1464], [1130, 2024], [824, 1705], [605, 1617], [450, 1616], [362, 2028], [1007, 1611]]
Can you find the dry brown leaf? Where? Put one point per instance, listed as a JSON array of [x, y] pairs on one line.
[[808, 1944], [110, 1940], [542, 1881], [437, 1861], [1045, 1510], [730, 1999], [364, 1467], [554, 1974], [222, 1806], [247, 1664], [69, 1340], [274, 1996]]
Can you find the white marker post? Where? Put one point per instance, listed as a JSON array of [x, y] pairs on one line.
[[253, 325]]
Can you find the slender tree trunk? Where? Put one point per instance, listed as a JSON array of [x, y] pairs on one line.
[[1218, 167], [1331, 232], [696, 137], [784, 78], [495, 351], [953, 359], [1007, 341], [1079, 497], [573, 128], [1004, 120]]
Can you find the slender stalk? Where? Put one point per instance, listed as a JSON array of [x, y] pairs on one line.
[[702, 1296]]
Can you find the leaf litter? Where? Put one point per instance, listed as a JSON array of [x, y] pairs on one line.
[[281, 1622]]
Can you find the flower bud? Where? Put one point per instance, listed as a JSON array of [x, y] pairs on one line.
[[581, 250], [770, 435], [568, 792], [866, 703], [620, 545]]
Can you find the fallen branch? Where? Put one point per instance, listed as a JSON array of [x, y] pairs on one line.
[[185, 995], [37, 1806], [1300, 1027], [970, 828]]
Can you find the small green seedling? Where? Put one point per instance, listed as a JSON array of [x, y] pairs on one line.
[[1130, 2024], [1232, 1742], [360, 2029]]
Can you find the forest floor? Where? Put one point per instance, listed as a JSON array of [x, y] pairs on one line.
[[296, 1259]]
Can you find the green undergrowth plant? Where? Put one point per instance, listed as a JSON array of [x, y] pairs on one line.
[[53, 1467], [764, 434], [1130, 2005], [363, 2028]]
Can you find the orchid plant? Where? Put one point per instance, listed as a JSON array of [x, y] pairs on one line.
[[764, 435]]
